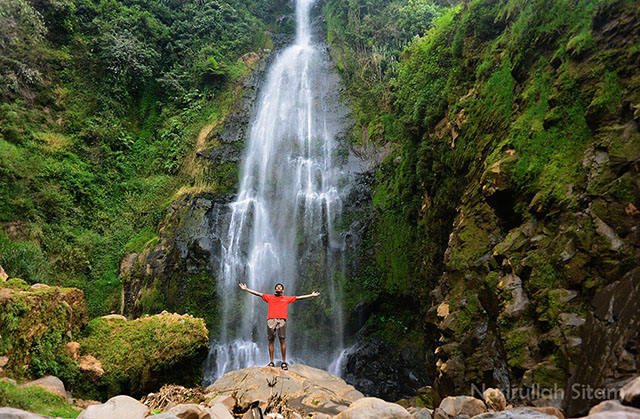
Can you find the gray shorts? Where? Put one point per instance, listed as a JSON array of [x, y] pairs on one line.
[[276, 325]]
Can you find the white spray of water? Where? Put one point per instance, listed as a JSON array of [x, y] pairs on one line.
[[284, 214]]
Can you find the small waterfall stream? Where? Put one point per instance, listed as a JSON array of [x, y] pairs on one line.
[[282, 223]]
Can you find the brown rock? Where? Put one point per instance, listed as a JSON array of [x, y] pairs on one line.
[[630, 393], [39, 286], [372, 407], [89, 364], [227, 401], [494, 399], [250, 58], [462, 405], [73, 348], [3, 274]]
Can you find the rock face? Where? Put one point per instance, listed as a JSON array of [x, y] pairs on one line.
[[306, 389], [543, 290], [380, 370], [178, 266]]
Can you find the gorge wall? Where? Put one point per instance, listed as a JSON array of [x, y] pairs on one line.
[[503, 239]]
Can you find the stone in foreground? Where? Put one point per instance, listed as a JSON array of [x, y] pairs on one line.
[[306, 389], [515, 414], [630, 393], [12, 413], [116, 407], [372, 407]]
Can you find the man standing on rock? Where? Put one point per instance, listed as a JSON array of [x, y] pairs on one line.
[[277, 318]]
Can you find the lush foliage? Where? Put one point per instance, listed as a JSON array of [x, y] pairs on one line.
[[100, 102]]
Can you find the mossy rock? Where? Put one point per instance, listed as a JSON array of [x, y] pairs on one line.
[[141, 355], [35, 323]]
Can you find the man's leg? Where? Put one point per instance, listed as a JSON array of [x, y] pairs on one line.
[[271, 348], [283, 349]]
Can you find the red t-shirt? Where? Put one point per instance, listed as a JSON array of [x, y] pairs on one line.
[[277, 305]]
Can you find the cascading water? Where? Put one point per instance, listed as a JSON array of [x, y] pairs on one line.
[[281, 226]]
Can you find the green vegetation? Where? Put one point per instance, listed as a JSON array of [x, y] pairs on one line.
[[35, 324], [100, 103], [525, 86], [35, 399], [141, 355]]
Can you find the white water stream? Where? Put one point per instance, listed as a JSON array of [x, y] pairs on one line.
[[282, 222]]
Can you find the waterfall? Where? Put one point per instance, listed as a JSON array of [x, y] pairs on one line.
[[282, 222]]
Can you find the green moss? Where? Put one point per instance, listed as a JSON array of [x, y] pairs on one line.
[[35, 324], [35, 399], [141, 355]]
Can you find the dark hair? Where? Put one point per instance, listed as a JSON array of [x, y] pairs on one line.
[[277, 286]]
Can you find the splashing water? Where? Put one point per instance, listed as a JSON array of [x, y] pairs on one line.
[[282, 222]]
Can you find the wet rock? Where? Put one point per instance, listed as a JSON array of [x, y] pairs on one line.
[[494, 399], [630, 393], [462, 405], [614, 323], [386, 372], [116, 407], [371, 407], [518, 300]]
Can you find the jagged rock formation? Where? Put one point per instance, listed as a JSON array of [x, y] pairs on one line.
[[547, 298]]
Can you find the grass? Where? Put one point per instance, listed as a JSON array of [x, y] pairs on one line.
[[35, 399]]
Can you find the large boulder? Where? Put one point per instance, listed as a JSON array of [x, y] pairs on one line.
[[372, 407], [50, 383], [35, 324], [612, 409], [462, 405], [139, 356], [306, 389], [116, 407], [13, 413]]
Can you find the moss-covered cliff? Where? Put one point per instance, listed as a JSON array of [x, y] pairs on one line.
[[508, 203]]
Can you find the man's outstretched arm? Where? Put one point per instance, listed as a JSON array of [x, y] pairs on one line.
[[313, 294], [244, 287]]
